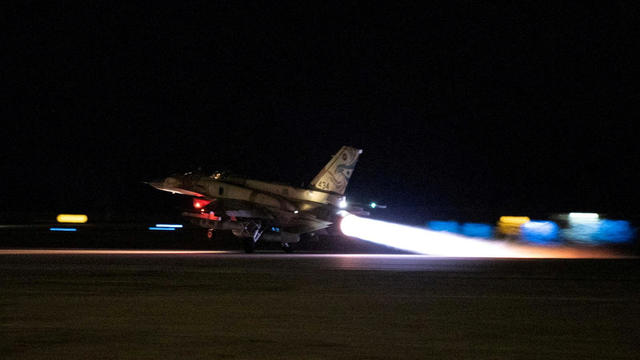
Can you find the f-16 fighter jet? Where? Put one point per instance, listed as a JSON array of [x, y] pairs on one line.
[[257, 210]]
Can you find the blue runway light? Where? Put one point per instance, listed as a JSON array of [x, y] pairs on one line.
[[477, 230], [155, 228], [438, 225], [540, 232], [175, 226], [62, 229], [614, 231], [581, 233]]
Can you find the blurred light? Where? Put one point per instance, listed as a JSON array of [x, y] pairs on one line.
[[178, 226], [614, 231], [155, 228], [510, 225], [541, 232], [594, 231], [477, 230], [437, 225], [585, 216], [72, 218], [515, 220], [295, 211], [581, 232], [373, 205], [62, 229], [200, 203], [343, 203], [582, 228]]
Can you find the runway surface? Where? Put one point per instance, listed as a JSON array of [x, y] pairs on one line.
[[221, 304]]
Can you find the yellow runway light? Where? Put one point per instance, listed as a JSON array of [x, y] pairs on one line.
[[72, 218], [510, 225]]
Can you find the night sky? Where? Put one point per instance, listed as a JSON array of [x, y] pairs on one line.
[[508, 108]]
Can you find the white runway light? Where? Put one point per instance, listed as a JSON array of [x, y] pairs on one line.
[[438, 243], [583, 216], [175, 226]]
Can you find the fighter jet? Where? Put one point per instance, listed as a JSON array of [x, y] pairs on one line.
[[257, 210]]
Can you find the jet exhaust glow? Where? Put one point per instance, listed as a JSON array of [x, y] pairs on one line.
[[437, 243]]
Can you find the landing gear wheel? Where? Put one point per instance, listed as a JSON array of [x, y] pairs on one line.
[[287, 248], [249, 245], [210, 234]]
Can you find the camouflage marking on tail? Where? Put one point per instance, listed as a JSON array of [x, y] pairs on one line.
[[334, 177]]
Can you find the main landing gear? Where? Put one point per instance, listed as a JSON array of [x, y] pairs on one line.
[[250, 235]]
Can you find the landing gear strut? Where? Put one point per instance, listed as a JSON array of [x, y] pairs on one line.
[[252, 232]]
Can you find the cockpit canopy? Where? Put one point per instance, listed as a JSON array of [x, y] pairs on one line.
[[220, 174], [227, 176]]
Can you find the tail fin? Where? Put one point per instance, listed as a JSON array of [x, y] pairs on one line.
[[335, 175]]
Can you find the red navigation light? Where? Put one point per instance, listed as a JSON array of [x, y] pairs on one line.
[[200, 203]]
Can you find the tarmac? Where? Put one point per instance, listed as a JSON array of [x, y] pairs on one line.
[[197, 304]]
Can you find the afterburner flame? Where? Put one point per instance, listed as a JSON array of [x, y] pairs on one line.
[[424, 241]]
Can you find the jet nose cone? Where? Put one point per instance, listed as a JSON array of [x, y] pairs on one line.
[[164, 183], [156, 183]]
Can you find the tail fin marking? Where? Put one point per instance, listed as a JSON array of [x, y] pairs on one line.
[[335, 175]]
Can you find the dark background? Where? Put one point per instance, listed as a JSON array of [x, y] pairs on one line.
[[463, 107]]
